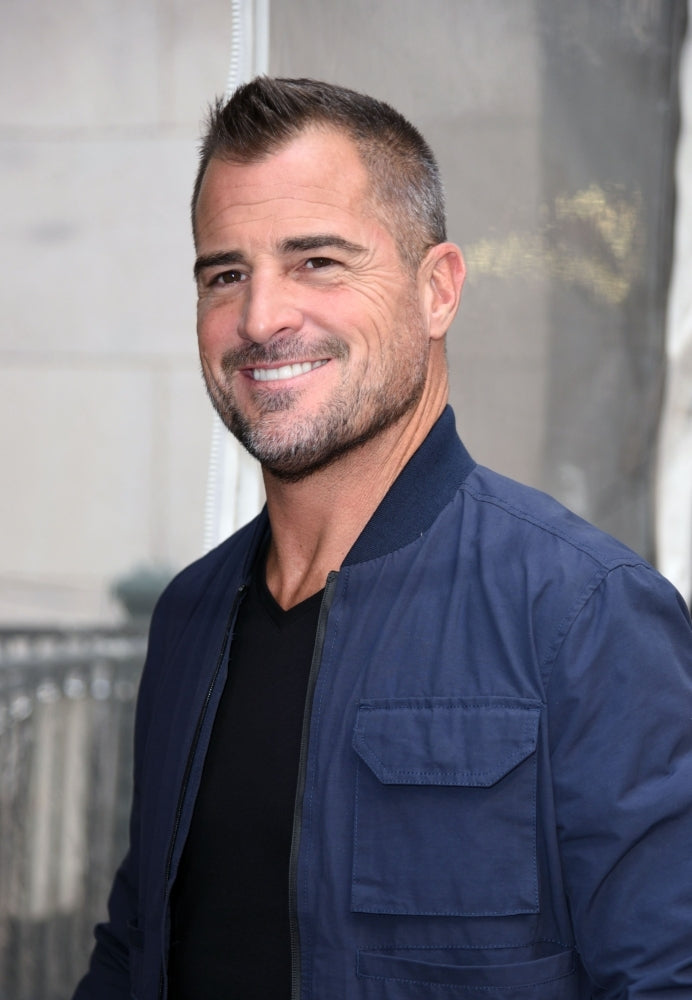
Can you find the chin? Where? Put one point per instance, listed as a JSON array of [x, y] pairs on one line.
[[292, 442]]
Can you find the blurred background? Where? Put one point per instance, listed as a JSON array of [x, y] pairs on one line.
[[557, 124]]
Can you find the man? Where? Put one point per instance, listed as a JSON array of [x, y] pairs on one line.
[[416, 731]]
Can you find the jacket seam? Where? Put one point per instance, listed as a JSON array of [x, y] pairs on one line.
[[631, 559], [395, 946], [570, 619]]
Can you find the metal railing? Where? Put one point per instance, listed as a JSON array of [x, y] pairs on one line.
[[66, 719]]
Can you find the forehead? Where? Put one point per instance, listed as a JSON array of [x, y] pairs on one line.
[[316, 177]]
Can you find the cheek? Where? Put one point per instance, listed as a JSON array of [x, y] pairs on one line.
[[215, 329], [370, 328]]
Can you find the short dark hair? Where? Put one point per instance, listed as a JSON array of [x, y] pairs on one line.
[[266, 113]]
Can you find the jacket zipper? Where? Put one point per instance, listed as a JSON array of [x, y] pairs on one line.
[[320, 635], [240, 593]]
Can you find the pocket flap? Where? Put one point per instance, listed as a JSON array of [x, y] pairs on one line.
[[443, 741]]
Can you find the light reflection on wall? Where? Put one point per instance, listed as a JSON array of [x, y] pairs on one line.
[[593, 239]]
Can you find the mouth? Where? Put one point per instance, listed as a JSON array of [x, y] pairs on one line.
[[284, 371]]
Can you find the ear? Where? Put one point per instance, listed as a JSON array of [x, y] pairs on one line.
[[442, 274]]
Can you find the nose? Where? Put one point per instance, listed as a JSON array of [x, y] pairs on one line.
[[269, 308]]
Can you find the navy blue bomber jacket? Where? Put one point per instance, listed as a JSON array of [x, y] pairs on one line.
[[495, 788]]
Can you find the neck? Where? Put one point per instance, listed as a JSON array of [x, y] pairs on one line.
[[316, 521]]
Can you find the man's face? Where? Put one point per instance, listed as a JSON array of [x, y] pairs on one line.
[[310, 330]]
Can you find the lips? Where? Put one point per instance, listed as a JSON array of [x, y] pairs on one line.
[[285, 371]]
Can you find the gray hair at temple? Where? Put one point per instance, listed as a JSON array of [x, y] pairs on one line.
[[267, 113]]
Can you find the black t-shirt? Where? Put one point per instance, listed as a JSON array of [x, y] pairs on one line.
[[230, 930]]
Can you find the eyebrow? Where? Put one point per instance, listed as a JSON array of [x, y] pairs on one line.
[[319, 241], [224, 258]]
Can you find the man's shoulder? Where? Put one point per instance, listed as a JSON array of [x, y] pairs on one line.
[[524, 517], [530, 551]]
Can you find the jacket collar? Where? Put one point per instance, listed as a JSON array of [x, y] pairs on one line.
[[424, 486]]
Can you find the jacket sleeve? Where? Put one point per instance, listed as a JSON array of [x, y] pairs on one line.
[[108, 977], [620, 718]]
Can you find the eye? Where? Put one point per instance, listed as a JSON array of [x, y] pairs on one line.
[[315, 263], [227, 278]]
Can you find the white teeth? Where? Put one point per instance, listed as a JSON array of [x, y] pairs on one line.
[[285, 371]]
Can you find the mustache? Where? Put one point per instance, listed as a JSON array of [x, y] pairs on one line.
[[283, 351]]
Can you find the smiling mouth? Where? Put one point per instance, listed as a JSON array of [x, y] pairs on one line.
[[285, 371]]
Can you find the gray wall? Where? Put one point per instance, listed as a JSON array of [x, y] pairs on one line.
[[104, 425]]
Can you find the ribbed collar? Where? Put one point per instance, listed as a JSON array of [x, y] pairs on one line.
[[425, 485]]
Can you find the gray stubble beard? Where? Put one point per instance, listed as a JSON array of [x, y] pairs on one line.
[[319, 441], [316, 443]]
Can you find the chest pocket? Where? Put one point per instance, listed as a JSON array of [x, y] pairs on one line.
[[445, 817]]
